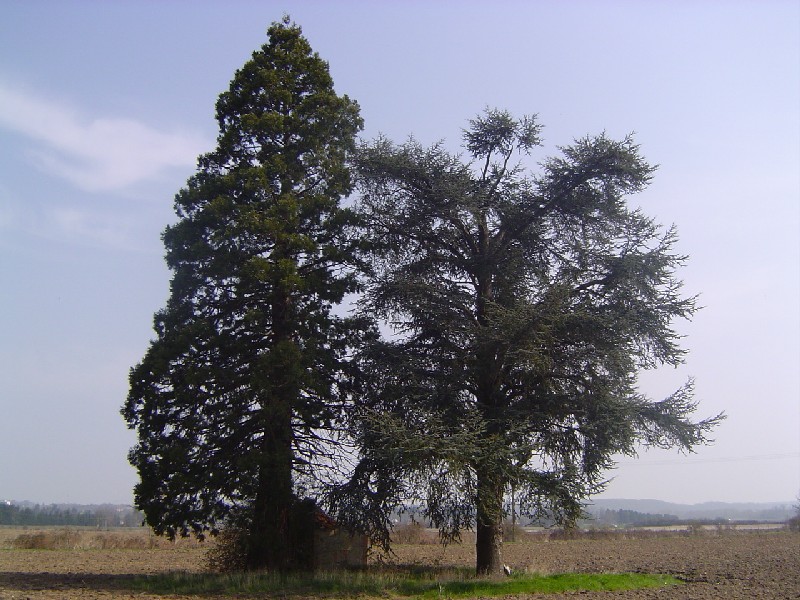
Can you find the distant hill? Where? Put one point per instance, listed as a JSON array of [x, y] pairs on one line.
[[736, 511]]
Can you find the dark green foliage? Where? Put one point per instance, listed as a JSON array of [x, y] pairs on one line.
[[523, 307], [237, 402]]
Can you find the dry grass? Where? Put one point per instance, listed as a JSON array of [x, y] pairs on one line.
[[414, 533], [85, 539]]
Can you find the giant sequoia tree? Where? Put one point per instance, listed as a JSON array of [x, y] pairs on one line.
[[523, 307], [236, 402]]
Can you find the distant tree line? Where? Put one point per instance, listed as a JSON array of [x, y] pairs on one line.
[[632, 518], [73, 516], [635, 518]]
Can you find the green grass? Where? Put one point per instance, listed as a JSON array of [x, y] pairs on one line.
[[454, 583]]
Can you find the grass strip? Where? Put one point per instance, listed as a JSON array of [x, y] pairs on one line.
[[454, 584]]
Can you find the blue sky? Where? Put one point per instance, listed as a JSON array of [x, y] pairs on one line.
[[104, 107]]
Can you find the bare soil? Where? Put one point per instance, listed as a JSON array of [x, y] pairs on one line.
[[732, 565]]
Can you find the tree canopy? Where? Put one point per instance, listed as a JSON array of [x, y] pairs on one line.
[[237, 403], [522, 306]]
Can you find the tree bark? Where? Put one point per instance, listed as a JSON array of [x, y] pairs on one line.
[[488, 363], [269, 544], [489, 538], [271, 535]]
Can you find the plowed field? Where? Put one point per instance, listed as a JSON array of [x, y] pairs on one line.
[[727, 566]]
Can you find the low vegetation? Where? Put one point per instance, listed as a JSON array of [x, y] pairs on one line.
[[89, 539], [413, 532], [793, 524], [411, 582]]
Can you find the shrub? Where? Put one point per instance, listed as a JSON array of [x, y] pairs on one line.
[[77, 539], [793, 524], [228, 552], [696, 528], [61, 539]]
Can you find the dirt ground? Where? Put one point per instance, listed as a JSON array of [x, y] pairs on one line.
[[727, 566]]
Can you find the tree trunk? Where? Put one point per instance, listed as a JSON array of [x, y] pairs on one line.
[[489, 506], [489, 539], [269, 543], [271, 536]]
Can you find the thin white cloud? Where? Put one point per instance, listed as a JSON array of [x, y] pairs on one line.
[[118, 227], [95, 154], [92, 228]]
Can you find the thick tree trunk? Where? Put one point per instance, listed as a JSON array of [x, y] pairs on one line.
[[489, 530], [269, 544], [271, 538]]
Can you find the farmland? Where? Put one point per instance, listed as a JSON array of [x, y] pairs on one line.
[[713, 564]]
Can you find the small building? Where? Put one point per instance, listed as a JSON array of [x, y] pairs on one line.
[[336, 546], [321, 543]]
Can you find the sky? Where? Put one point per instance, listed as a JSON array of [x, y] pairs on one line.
[[104, 107]]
